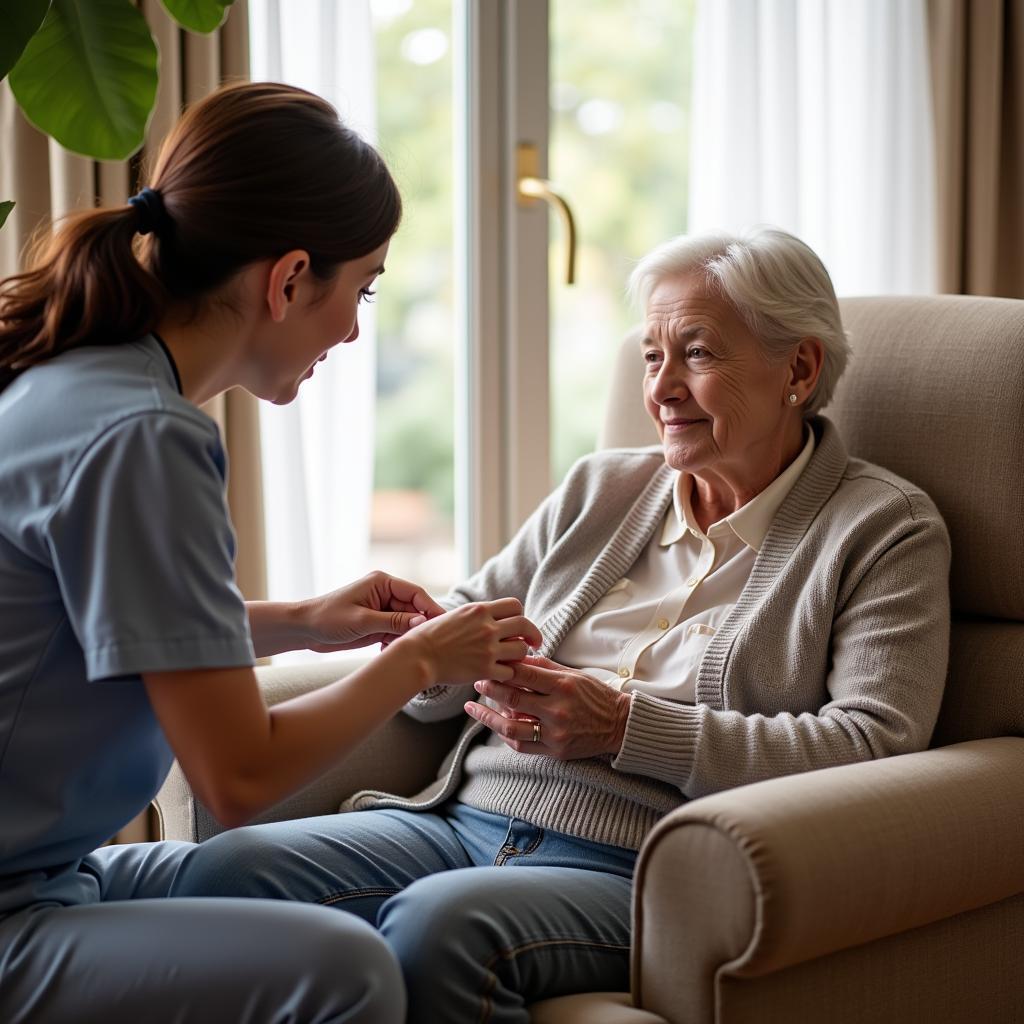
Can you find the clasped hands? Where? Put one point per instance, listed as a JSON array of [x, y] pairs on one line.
[[578, 716], [459, 646]]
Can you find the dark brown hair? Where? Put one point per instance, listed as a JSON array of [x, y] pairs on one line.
[[250, 172]]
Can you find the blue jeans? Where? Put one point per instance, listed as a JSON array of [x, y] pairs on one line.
[[100, 942], [477, 937]]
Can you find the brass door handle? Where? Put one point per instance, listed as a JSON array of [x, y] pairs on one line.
[[531, 188]]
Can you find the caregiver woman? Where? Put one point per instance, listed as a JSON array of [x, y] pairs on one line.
[[123, 639]]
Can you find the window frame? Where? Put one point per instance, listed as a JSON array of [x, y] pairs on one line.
[[502, 438]]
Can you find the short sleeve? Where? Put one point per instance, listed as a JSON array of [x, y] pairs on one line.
[[143, 550]]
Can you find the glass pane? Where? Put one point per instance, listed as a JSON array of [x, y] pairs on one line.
[[620, 103], [412, 521], [358, 470]]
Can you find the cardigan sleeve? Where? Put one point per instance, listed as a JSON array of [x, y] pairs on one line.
[[888, 648]]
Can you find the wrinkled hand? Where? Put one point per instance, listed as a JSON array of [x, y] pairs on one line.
[[373, 610], [579, 716], [475, 640]]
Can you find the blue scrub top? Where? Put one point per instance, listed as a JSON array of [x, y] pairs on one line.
[[116, 558]]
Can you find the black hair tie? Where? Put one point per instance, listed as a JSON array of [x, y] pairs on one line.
[[152, 214]]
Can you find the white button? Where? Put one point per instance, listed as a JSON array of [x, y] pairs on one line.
[[692, 582], [662, 623], [624, 672]]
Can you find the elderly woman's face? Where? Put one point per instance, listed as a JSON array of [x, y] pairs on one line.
[[718, 404]]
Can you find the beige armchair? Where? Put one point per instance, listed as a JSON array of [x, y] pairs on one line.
[[891, 891]]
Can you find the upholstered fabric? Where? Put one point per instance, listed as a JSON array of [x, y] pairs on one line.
[[626, 423], [934, 393], [984, 689], [959, 969], [853, 855]]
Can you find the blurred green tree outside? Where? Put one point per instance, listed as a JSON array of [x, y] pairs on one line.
[[620, 96], [416, 319]]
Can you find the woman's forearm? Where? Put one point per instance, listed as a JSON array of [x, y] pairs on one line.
[[309, 734], [277, 626], [241, 757]]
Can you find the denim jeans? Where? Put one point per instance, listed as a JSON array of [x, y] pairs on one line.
[[100, 942], [486, 914]]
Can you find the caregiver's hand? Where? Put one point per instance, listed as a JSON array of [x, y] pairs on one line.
[[578, 716], [473, 640], [374, 609]]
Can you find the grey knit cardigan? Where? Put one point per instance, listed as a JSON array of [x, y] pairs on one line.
[[835, 652]]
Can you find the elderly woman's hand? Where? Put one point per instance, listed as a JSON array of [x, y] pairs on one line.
[[546, 708]]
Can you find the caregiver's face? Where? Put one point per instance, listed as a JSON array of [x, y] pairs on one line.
[[328, 318], [718, 403]]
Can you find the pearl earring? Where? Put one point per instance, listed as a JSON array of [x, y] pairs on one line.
[[792, 399]]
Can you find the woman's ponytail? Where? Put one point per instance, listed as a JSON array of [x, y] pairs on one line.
[[84, 285]]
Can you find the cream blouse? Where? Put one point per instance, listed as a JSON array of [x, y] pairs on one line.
[[649, 631]]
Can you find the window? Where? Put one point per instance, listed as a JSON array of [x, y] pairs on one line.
[[422, 447], [620, 106]]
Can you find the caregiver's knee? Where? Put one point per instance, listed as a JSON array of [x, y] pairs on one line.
[[355, 966], [238, 862]]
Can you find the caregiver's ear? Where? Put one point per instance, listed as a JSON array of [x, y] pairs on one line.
[[286, 272]]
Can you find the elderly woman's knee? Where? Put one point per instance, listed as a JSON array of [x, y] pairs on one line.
[[440, 920]]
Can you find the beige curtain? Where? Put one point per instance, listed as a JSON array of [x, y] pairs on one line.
[[46, 181], [977, 49]]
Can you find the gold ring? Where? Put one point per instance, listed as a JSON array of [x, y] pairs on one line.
[[536, 732]]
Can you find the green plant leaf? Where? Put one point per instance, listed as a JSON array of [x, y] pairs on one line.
[[88, 77], [5, 209], [20, 19], [198, 15]]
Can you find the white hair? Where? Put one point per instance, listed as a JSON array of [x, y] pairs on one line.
[[775, 282]]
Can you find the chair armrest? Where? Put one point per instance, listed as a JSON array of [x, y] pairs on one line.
[[401, 757], [753, 880]]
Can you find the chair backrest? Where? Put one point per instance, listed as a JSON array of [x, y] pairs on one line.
[[934, 392]]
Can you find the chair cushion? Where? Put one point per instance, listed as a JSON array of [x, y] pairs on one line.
[[935, 392]]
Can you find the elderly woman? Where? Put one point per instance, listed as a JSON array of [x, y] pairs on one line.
[[741, 602]]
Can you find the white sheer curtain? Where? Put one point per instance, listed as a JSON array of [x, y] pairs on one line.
[[318, 451], [815, 115]]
